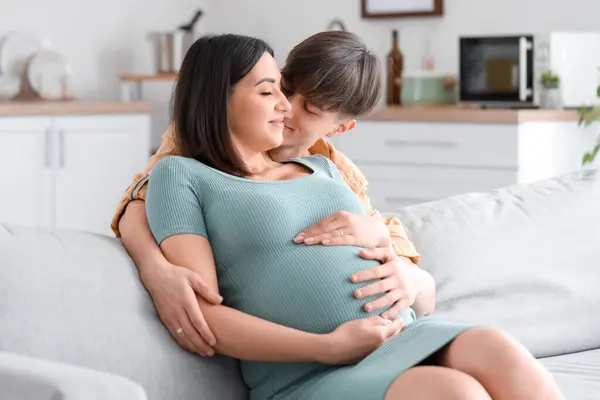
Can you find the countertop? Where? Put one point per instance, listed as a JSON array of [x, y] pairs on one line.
[[469, 114], [75, 107]]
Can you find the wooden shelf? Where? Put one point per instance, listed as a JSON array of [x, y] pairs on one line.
[[148, 78], [466, 114], [73, 107]]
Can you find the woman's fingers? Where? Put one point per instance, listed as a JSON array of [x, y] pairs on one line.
[[309, 235], [195, 343], [179, 335], [199, 323], [200, 287], [393, 328]]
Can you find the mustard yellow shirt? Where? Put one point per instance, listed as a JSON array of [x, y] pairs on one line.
[[350, 173]]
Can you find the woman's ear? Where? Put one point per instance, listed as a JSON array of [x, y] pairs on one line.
[[343, 127]]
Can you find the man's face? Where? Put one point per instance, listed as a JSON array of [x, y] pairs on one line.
[[305, 123]]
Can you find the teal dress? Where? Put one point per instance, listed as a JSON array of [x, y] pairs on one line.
[[261, 271]]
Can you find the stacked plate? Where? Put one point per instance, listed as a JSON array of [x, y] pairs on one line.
[[24, 59]]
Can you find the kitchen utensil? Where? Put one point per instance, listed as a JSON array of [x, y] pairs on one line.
[[170, 47], [15, 50], [428, 88], [48, 75], [9, 87], [337, 25], [190, 26]]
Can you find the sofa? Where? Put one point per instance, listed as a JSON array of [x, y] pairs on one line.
[[76, 323]]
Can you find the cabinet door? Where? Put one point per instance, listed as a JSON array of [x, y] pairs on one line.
[[97, 159], [25, 165]]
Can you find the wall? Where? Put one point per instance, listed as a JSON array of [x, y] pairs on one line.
[[284, 23], [101, 39]]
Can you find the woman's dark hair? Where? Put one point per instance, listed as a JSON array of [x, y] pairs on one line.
[[336, 72], [209, 72]]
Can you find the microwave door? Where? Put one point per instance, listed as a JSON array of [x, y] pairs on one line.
[[496, 70]]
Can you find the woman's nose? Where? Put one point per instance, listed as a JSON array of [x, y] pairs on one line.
[[284, 105]]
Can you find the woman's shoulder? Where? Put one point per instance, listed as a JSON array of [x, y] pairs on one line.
[[177, 165], [181, 169]]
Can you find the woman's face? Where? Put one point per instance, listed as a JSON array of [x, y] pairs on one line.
[[257, 108]]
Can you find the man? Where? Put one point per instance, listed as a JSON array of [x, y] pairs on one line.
[[330, 79]]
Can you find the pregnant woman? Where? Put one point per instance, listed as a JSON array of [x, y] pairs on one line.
[[230, 213]]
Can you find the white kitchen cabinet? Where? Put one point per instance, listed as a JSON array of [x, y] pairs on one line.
[[24, 171], [415, 162], [97, 158], [69, 171]]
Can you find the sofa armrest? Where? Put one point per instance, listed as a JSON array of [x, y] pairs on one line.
[[28, 378]]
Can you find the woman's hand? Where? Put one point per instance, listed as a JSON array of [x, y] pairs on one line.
[[173, 290], [354, 340], [397, 279], [344, 228]]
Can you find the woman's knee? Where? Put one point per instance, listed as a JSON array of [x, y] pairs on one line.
[[484, 347], [431, 383]]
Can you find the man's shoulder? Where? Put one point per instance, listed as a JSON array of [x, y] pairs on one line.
[[349, 171]]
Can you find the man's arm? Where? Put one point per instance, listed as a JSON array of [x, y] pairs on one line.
[[355, 179], [137, 189], [400, 243]]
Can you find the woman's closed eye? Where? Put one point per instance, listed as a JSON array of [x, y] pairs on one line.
[[266, 93]]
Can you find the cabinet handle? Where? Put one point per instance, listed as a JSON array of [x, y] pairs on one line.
[[47, 153], [417, 143], [61, 144]]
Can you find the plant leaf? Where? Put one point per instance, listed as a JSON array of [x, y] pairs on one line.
[[590, 118], [589, 158], [582, 113]]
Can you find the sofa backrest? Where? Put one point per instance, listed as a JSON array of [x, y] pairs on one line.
[[76, 298], [525, 259]]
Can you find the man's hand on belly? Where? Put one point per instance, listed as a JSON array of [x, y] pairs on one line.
[[397, 279]]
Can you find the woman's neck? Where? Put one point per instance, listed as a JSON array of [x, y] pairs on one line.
[[258, 163], [283, 153]]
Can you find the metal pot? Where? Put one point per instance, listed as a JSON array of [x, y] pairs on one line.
[[170, 48]]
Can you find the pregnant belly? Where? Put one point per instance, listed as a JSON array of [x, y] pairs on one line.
[[308, 288]]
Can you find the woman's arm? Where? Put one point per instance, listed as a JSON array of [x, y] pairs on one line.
[[137, 189], [245, 337], [174, 206], [173, 289], [240, 335]]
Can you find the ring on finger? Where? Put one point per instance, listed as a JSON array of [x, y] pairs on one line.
[[179, 331], [341, 232]]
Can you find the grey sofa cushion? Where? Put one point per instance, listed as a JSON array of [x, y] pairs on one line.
[[28, 378], [525, 259], [577, 374], [75, 298]]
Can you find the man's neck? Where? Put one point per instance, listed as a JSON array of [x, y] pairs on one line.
[[283, 153]]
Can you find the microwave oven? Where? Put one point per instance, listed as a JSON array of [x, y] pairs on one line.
[[506, 70]]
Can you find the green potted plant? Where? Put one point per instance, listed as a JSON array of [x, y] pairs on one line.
[[550, 96], [587, 116]]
